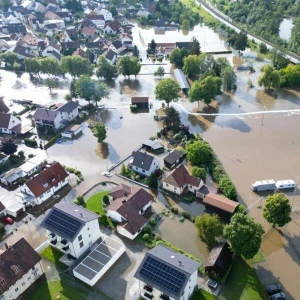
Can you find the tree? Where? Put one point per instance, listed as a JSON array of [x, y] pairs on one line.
[[50, 66], [263, 48], [220, 64], [195, 48], [160, 72], [113, 10], [135, 66], [185, 24], [227, 188], [269, 78], [153, 45], [279, 60], [8, 146], [241, 41], [206, 63], [32, 66], [191, 65], [76, 65], [167, 90], [152, 181], [99, 131], [277, 210], [244, 234], [73, 89], [105, 69], [206, 90], [177, 56], [128, 66], [51, 84], [209, 227], [198, 152], [172, 120], [135, 51], [199, 172], [228, 77], [5, 4], [9, 58]]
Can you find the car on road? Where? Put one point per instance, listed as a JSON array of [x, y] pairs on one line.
[[107, 174], [212, 284], [278, 296], [273, 289], [7, 220]]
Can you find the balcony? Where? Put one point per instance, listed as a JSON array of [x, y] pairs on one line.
[[148, 296], [64, 242], [53, 242], [164, 297], [65, 249], [51, 236], [148, 289]]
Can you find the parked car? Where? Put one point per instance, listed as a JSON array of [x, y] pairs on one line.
[[107, 174], [278, 296], [273, 289], [7, 220], [211, 283]]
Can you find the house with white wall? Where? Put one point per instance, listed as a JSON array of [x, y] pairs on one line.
[[167, 274], [179, 180], [127, 207], [69, 111], [20, 267], [71, 228], [9, 124], [144, 163], [44, 185]]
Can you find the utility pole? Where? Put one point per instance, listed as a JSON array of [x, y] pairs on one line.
[[260, 199], [262, 120], [294, 194]]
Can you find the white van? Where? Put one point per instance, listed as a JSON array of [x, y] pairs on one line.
[[285, 184]]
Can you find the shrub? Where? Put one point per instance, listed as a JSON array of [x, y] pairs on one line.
[[152, 222], [133, 108], [186, 215], [21, 153], [30, 155], [174, 210], [146, 237], [159, 134], [199, 172], [68, 97], [227, 188], [30, 143], [103, 220], [147, 229], [52, 141], [105, 199]]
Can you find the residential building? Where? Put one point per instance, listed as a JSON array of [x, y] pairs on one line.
[[15, 28], [112, 28], [72, 131], [144, 163], [11, 177], [123, 21], [111, 56], [2, 210], [51, 49], [20, 267], [3, 158], [3, 107], [71, 228], [140, 102], [10, 18], [88, 31], [126, 40], [154, 146], [116, 46], [174, 158], [44, 185], [9, 124], [179, 181], [81, 53], [97, 20], [56, 25], [69, 111], [127, 206], [105, 13], [167, 274]]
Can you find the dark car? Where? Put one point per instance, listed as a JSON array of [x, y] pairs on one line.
[[7, 220], [278, 296], [273, 289], [212, 284]]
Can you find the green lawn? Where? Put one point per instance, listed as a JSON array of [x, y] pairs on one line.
[[242, 283], [67, 288], [202, 295], [256, 259], [95, 204], [53, 255]]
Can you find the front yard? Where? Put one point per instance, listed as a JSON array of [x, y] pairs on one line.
[[202, 295], [53, 255]]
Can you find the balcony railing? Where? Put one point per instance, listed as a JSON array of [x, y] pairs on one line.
[[148, 296], [164, 297], [52, 236], [64, 242], [148, 289], [54, 242]]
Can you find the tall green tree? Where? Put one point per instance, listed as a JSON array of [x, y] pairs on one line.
[[76, 65], [177, 56], [277, 210], [51, 83], [160, 72], [244, 235], [113, 10], [152, 181], [199, 172], [279, 60], [270, 78], [198, 152], [195, 48], [209, 227], [99, 132], [50, 66], [127, 66], [241, 41], [9, 58], [191, 65], [228, 77], [167, 90], [32, 66], [105, 69], [153, 45], [172, 120], [185, 24], [135, 51], [8, 146]]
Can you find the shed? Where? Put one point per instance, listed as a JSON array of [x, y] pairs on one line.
[[220, 205], [181, 79], [72, 131], [219, 260], [140, 102], [154, 146], [174, 158]]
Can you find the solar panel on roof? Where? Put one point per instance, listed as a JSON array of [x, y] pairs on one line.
[[163, 275], [62, 223]]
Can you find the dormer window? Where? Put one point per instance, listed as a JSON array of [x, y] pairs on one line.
[[2, 280], [53, 179], [15, 269], [45, 185]]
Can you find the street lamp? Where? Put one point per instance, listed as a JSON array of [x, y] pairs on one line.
[[294, 194], [262, 121]]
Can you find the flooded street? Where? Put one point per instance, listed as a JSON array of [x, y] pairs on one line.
[[251, 148]]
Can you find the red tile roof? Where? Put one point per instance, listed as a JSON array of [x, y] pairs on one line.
[[220, 202], [139, 100], [50, 177], [180, 177]]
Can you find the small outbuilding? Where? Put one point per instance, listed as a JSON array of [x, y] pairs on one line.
[[220, 205], [140, 102], [153, 146], [181, 79], [174, 158], [72, 131], [219, 260]]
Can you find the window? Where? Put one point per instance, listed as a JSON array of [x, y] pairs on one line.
[[2, 280], [15, 268], [33, 268], [191, 186], [16, 289], [29, 278], [80, 238], [23, 283], [88, 228], [81, 244], [167, 184], [10, 295], [143, 171]]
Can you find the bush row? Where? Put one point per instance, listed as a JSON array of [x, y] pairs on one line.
[[52, 141]]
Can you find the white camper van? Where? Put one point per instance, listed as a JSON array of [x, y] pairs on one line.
[[263, 185], [285, 184]]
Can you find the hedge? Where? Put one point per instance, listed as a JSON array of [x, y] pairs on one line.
[[30, 143], [52, 141]]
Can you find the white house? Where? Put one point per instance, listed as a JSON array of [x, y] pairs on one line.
[[116, 46], [105, 13], [9, 124], [111, 56], [97, 20], [167, 274], [11, 176], [69, 111], [180, 180], [144, 163], [44, 185], [60, 24], [112, 28], [49, 48], [127, 206], [71, 228], [126, 40], [10, 18], [20, 267]]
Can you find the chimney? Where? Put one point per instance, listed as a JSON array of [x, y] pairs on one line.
[[81, 215], [6, 246], [123, 200]]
